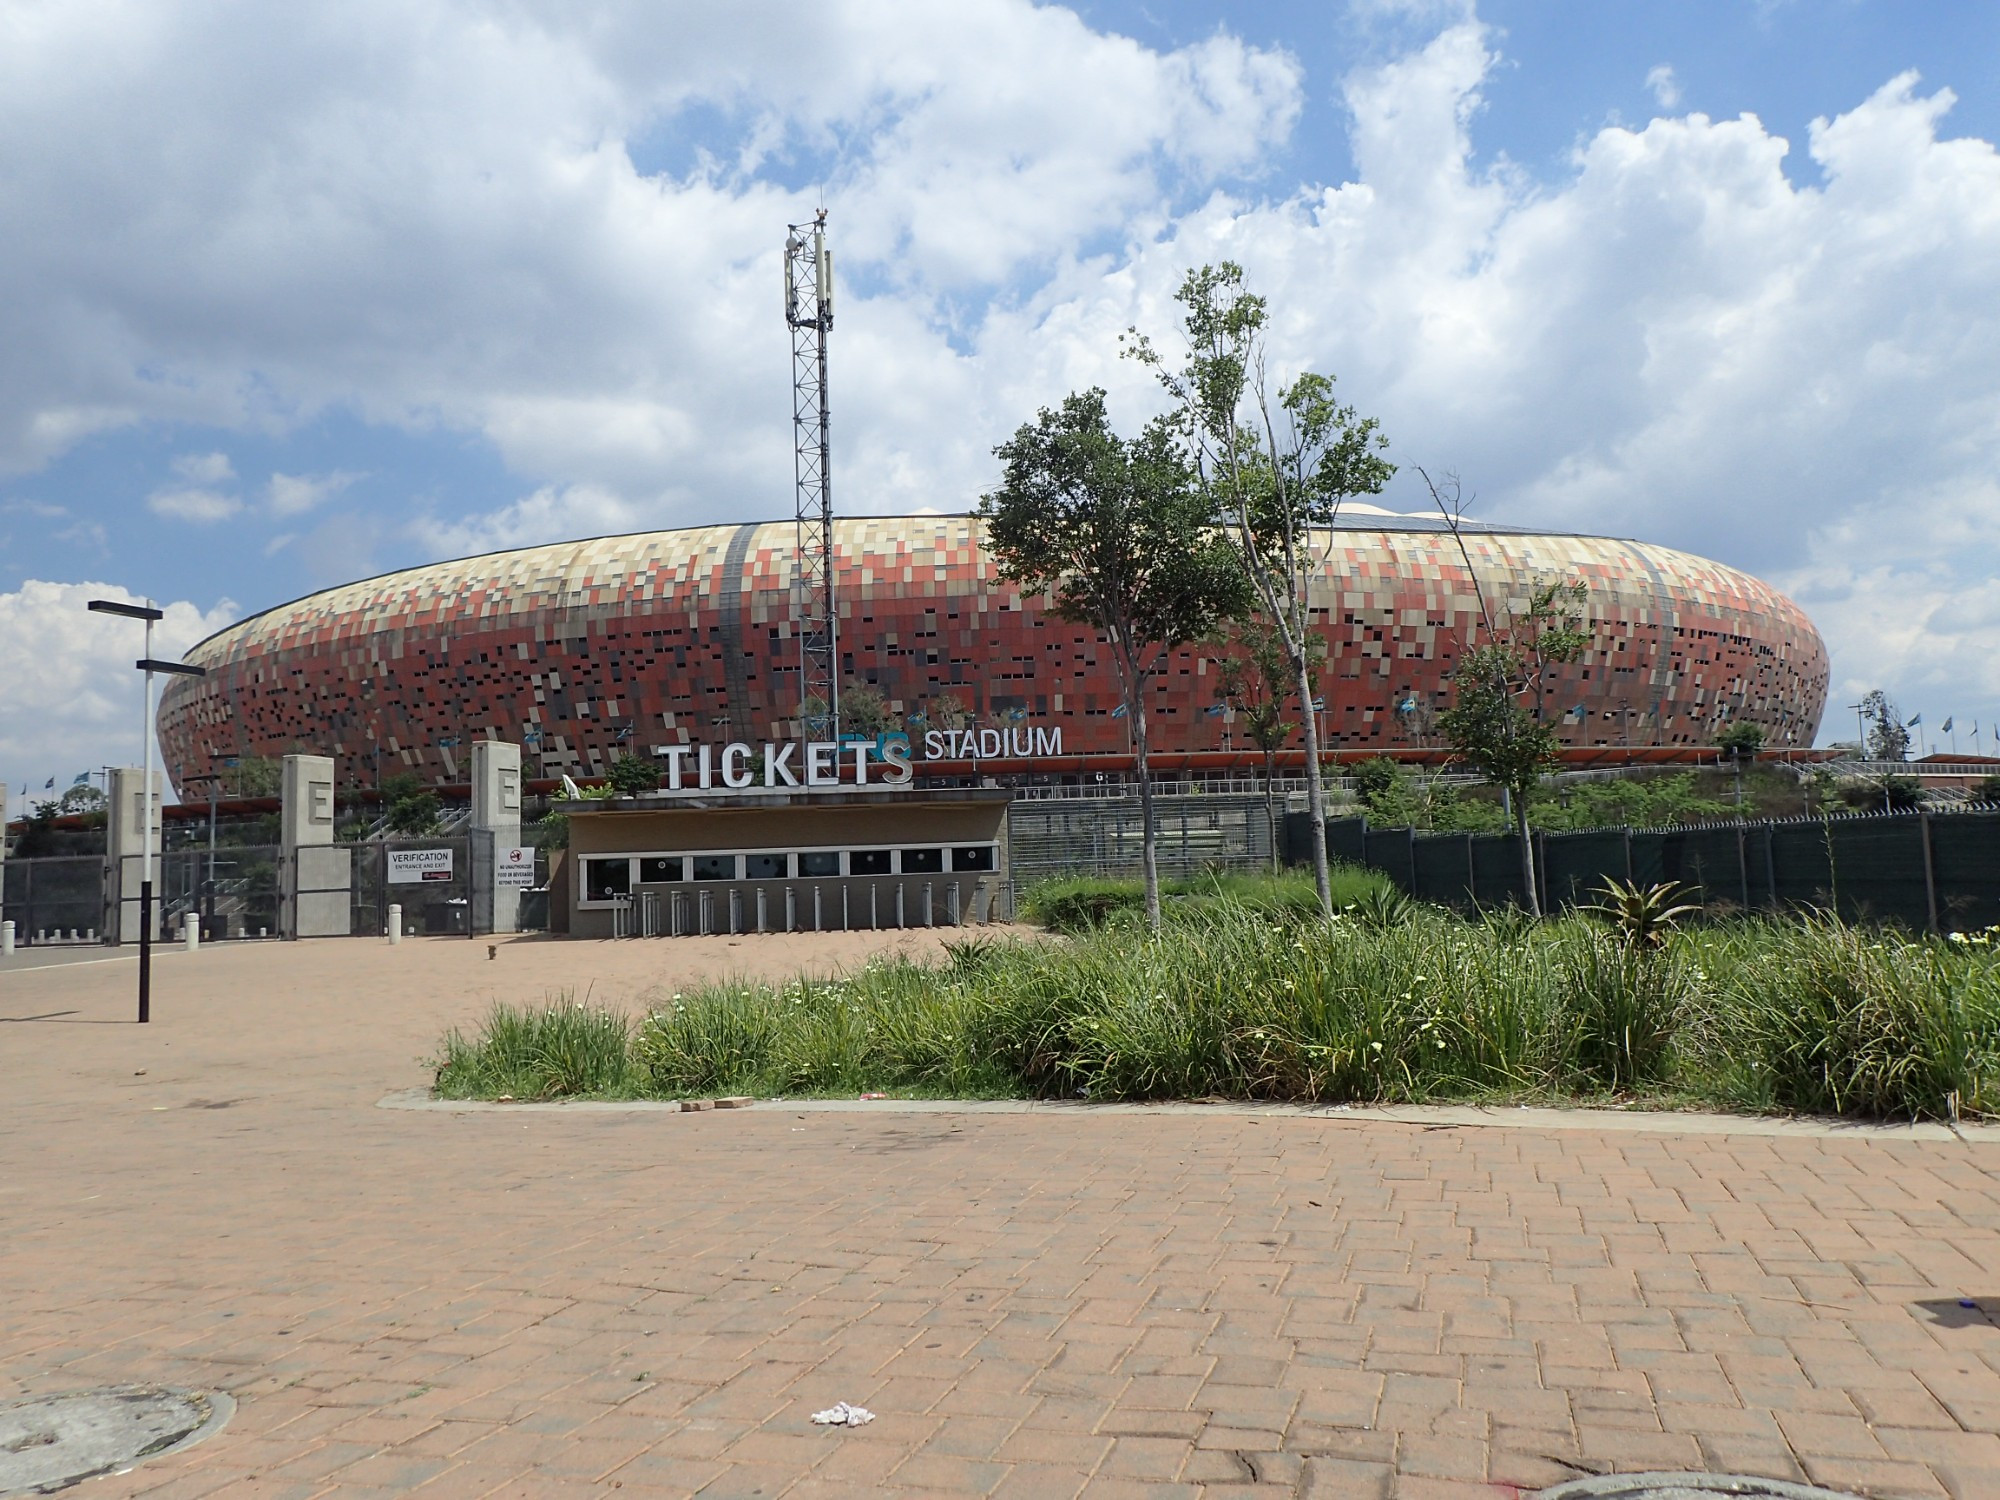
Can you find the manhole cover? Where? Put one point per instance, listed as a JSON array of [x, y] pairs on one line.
[[51, 1442], [1686, 1487]]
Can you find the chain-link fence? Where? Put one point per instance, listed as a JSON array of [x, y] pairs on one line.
[[1101, 835], [1930, 871], [232, 892], [54, 900]]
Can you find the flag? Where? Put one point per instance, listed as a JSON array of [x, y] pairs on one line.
[[1913, 721], [81, 778], [1213, 709], [1118, 712], [49, 785], [1945, 727]]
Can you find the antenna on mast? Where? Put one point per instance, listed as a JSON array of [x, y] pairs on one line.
[[809, 313]]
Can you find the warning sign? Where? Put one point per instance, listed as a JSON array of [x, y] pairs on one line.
[[411, 866], [513, 869]]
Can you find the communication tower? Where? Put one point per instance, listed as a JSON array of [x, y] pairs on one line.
[[809, 311]]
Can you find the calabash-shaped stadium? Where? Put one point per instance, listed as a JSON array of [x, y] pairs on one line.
[[585, 650]]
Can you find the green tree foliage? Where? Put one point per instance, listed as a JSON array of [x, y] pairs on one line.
[[411, 807], [1988, 789], [1495, 722], [1740, 741], [1276, 466], [1888, 737], [863, 710], [1122, 539], [632, 775], [1254, 678], [257, 776]]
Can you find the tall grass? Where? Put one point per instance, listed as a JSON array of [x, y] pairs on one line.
[[559, 1050], [1242, 1001]]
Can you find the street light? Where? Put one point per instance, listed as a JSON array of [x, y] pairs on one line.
[[149, 666]]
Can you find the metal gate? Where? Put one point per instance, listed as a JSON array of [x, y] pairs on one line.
[[432, 907], [1102, 835], [59, 899], [232, 891]]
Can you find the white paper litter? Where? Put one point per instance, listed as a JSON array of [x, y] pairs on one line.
[[840, 1414]]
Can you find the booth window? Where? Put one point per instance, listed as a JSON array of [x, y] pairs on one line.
[[817, 864], [607, 879], [766, 866], [868, 862], [973, 857], [715, 867], [657, 869], [923, 861]]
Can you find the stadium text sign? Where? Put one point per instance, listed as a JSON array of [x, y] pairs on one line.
[[993, 744], [829, 765], [784, 764]]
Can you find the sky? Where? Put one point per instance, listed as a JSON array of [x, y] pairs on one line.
[[301, 293]]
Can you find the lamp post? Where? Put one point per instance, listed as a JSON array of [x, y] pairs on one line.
[[149, 666]]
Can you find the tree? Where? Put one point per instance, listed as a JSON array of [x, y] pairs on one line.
[[1740, 744], [863, 710], [1888, 738], [1253, 677], [1274, 467], [411, 807], [1495, 723], [630, 776], [1122, 539], [258, 776]]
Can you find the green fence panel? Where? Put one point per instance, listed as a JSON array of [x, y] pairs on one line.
[[1496, 862], [1443, 867], [1879, 870], [1965, 856], [1805, 870], [1574, 865], [1389, 850]]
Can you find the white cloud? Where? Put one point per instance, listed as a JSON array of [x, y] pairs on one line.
[[295, 494], [72, 697], [204, 468], [574, 511], [198, 506], [1665, 87]]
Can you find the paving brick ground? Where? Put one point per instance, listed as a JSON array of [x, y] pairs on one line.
[[445, 1304]]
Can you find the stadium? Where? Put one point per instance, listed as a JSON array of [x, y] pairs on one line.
[[582, 651]]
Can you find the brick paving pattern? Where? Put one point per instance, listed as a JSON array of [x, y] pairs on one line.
[[450, 1303]]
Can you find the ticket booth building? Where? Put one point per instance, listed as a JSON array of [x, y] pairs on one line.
[[787, 861]]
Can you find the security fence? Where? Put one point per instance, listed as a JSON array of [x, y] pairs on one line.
[[1100, 835], [59, 899], [1935, 871]]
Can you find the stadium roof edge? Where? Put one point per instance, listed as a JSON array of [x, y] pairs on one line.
[[1359, 522]]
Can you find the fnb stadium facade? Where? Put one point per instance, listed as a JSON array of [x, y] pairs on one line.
[[582, 651]]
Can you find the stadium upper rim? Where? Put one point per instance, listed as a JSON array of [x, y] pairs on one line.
[[1354, 518]]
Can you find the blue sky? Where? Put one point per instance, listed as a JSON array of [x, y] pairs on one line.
[[376, 284]]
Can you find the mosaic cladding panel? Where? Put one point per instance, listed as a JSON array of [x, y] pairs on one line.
[[584, 649]]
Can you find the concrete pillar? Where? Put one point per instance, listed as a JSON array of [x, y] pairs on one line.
[[315, 876], [3, 860], [496, 816], [123, 842]]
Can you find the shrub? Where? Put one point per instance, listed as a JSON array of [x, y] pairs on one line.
[[561, 1050], [1235, 1000]]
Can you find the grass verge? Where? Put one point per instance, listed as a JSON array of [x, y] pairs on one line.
[[1242, 999]]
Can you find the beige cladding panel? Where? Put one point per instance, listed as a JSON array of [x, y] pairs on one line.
[[692, 829]]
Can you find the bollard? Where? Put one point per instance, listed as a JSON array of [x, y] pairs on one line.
[[6, 939], [190, 932], [396, 923]]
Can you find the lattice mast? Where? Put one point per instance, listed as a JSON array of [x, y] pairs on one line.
[[809, 311]]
